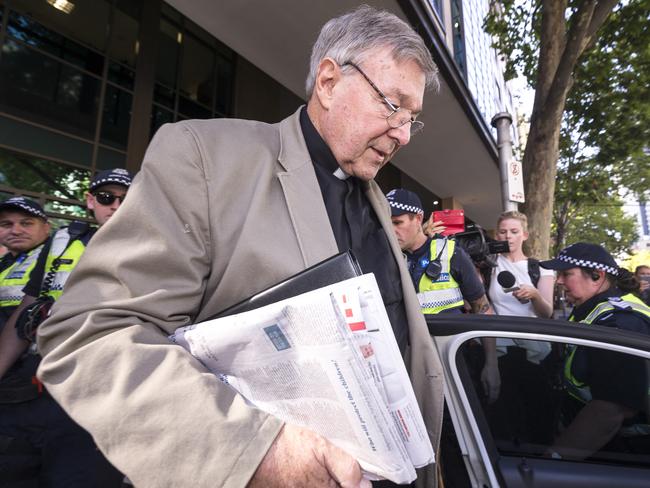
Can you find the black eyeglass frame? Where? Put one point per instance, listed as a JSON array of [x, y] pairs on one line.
[[416, 125], [107, 198]]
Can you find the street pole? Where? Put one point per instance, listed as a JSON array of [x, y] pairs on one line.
[[502, 121]]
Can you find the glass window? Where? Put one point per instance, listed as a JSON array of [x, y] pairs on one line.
[[163, 95], [457, 33], [565, 402], [121, 75], [197, 73], [169, 40], [125, 32], [116, 117], [160, 116], [37, 87], [192, 109], [108, 159], [86, 23], [225, 76], [36, 140], [437, 7], [29, 173]]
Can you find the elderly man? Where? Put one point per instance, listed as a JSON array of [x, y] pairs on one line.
[[222, 209]]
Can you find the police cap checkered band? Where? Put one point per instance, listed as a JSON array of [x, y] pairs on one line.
[[403, 201], [583, 255], [117, 176], [25, 205]]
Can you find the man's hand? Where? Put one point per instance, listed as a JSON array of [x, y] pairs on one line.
[[300, 458]]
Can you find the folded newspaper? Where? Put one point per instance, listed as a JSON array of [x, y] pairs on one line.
[[326, 360]]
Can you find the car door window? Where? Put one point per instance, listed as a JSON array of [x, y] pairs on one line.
[[562, 401]]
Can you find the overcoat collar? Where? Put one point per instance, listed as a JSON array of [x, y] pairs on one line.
[[303, 195]]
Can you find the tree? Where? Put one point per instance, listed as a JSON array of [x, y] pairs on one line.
[[545, 39]]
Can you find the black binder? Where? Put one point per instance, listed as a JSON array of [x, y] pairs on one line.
[[339, 267]]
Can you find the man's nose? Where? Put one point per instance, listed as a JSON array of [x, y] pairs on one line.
[[401, 134]]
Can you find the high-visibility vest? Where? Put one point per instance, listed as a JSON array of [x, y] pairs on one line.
[[15, 277], [577, 388], [444, 293], [62, 259]]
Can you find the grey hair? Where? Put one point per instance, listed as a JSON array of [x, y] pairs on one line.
[[351, 36]]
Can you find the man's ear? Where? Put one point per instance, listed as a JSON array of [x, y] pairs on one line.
[[90, 204], [327, 76]]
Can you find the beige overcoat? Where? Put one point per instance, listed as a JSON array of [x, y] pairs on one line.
[[221, 209]]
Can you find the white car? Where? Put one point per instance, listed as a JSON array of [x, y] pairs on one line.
[[510, 443]]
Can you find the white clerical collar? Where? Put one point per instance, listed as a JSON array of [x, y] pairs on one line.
[[340, 174]]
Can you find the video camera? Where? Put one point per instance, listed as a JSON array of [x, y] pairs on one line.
[[481, 248]]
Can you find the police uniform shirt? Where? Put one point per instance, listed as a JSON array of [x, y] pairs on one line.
[[612, 376], [7, 260], [461, 268], [356, 227], [33, 286]]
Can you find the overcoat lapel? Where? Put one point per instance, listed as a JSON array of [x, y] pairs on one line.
[[303, 195]]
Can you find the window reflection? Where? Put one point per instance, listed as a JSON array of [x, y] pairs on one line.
[[125, 32], [34, 33], [197, 77], [86, 24], [116, 117], [43, 176], [35, 86], [540, 413], [168, 49]]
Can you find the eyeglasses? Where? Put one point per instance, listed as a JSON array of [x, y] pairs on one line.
[[398, 116], [107, 198]]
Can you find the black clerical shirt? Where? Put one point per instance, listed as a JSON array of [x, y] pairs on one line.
[[356, 227]]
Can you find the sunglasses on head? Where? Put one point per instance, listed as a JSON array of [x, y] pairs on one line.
[[107, 198]]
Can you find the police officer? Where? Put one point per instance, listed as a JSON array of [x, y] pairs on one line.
[[444, 277], [42, 444], [23, 230], [611, 387], [443, 273]]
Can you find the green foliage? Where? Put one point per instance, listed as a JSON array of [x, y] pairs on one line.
[[515, 28], [42, 176], [609, 105], [603, 223], [604, 145]]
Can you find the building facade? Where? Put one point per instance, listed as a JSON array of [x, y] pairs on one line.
[[84, 85]]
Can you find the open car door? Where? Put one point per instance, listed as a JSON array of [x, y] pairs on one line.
[[514, 441]]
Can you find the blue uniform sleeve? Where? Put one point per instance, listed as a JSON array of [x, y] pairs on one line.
[[463, 271]]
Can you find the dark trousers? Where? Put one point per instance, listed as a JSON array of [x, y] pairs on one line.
[[43, 447]]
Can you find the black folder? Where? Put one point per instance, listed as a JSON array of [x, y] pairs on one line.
[[339, 267]]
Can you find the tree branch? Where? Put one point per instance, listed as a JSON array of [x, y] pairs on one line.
[[575, 45], [551, 44], [601, 12]]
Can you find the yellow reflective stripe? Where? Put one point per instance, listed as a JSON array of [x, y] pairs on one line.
[[70, 260], [436, 296], [11, 289]]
